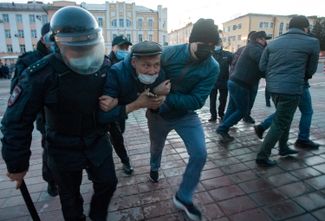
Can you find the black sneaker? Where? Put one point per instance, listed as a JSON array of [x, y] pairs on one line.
[[265, 162], [154, 176], [225, 137], [308, 144], [52, 190], [287, 151], [191, 211], [249, 120], [127, 168], [212, 119], [259, 130]]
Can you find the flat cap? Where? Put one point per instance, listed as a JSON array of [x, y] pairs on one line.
[[146, 48]]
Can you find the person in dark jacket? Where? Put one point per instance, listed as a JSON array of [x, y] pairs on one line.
[[288, 61], [43, 48], [120, 47], [243, 84], [4, 71], [67, 85], [224, 58], [247, 118]]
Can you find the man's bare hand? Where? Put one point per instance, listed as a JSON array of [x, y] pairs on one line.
[[163, 88], [18, 177], [107, 103]]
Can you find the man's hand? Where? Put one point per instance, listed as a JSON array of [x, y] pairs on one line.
[[18, 177], [145, 100], [107, 103], [163, 88]]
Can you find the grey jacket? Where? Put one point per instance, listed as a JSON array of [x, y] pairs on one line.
[[288, 61]]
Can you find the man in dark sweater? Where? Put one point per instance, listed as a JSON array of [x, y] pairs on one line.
[[243, 84]]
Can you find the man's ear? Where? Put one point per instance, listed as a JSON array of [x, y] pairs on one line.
[[133, 62]]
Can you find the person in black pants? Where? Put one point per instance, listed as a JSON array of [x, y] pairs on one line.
[[120, 47], [224, 59]]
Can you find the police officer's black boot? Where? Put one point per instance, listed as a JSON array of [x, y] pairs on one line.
[[52, 189], [127, 168]]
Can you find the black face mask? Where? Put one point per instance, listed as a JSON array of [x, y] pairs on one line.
[[203, 51]]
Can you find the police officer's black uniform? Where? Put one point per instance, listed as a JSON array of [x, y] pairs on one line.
[[74, 139], [23, 62]]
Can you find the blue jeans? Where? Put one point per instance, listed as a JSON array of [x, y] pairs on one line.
[[189, 128], [238, 106], [252, 97], [306, 109]]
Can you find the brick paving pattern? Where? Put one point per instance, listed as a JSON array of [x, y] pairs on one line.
[[232, 187]]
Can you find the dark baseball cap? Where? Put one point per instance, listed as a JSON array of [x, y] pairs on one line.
[[146, 48], [121, 40]]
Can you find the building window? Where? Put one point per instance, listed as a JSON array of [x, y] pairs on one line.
[[239, 37], [150, 37], [9, 48], [19, 18], [44, 19], [164, 40], [121, 22], [22, 48], [239, 26], [271, 24], [281, 28], [234, 27], [228, 28], [150, 23], [100, 22], [7, 33], [114, 23], [5, 18], [261, 24], [128, 36], [31, 19], [33, 33], [287, 27], [128, 23], [140, 38], [266, 25], [20, 34], [140, 23]]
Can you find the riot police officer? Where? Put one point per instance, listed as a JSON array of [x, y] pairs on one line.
[[67, 85]]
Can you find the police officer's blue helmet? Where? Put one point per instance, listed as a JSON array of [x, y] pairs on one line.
[[79, 39]]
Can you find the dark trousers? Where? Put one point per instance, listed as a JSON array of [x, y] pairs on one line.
[[222, 102], [285, 108], [116, 137], [252, 96], [267, 98], [46, 171], [104, 184]]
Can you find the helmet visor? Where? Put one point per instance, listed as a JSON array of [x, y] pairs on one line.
[[82, 54]]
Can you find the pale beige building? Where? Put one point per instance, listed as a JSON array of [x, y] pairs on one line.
[[20, 24], [20, 28], [236, 30], [180, 36]]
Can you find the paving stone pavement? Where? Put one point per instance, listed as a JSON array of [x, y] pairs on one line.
[[232, 187]]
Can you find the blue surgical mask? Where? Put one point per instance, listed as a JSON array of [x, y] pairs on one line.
[[146, 78], [217, 48], [121, 54]]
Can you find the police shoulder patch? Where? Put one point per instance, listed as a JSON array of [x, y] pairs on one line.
[[14, 95], [37, 66]]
